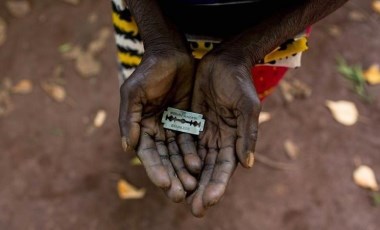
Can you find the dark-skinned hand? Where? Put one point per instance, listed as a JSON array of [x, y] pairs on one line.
[[161, 80], [226, 97]]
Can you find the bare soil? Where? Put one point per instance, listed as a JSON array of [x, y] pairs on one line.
[[54, 175]]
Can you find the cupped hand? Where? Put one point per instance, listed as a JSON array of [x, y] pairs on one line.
[[162, 80], [225, 95]]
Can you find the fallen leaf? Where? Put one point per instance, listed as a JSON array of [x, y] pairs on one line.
[[334, 31], [372, 75], [286, 91], [85, 61], [3, 31], [356, 16], [128, 191], [345, 112], [135, 161], [87, 65], [376, 6], [264, 117], [99, 43], [73, 53], [355, 75], [55, 91], [100, 118], [18, 8], [22, 87], [294, 89], [66, 47], [291, 149], [365, 178]]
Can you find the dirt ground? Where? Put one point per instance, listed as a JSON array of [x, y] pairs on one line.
[[54, 174]]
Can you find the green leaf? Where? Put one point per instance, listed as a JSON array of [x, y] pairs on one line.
[[376, 198], [66, 47], [355, 75]]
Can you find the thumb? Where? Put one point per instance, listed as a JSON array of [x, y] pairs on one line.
[[130, 114], [247, 127]]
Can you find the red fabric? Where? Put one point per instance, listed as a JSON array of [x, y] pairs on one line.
[[266, 78]]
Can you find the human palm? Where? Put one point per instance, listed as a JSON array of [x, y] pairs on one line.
[[225, 95], [159, 82]]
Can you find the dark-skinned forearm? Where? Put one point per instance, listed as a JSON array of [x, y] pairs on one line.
[[253, 44], [157, 32]]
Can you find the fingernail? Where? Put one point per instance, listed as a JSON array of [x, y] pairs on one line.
[[124, 144], [250, 159]]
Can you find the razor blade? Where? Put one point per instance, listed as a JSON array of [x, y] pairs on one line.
[[183, 121]]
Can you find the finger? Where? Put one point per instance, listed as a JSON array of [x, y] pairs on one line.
[[202, 152], [150, 158], [188, 181], [197, 206], [225, 165], [176, 193], [130, 114], [191, 158], [247, 128]]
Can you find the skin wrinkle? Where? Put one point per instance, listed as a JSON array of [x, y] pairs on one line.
[[225, 96]]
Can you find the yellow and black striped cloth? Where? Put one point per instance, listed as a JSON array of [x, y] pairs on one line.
[[131, 48]]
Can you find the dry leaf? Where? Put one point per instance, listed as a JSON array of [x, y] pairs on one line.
[[57, 92], [3, 31], [87, 66], [291, 149], [73, 53], [294, 89], [264, 116], [344, 112], [135, 161], [100, 118], [334, 31], [356, 16], [128, 191], [286, 91], [376, 6], [365, 177], [372, 75], [23, 87], [85, 61], [18, 8], [97, 45]]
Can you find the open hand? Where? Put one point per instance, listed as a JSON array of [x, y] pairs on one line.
[[161, 80], [225, 95]]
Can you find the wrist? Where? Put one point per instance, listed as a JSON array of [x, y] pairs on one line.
[[164, 45], [233, 56]]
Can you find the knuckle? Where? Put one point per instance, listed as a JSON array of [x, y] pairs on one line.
[[130, 86]]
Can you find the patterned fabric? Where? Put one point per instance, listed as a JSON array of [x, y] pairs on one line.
[[265, 76]]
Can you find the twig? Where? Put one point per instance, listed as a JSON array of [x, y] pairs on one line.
[[271, 163]]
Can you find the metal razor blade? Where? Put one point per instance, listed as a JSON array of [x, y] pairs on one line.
[[183, 121]]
